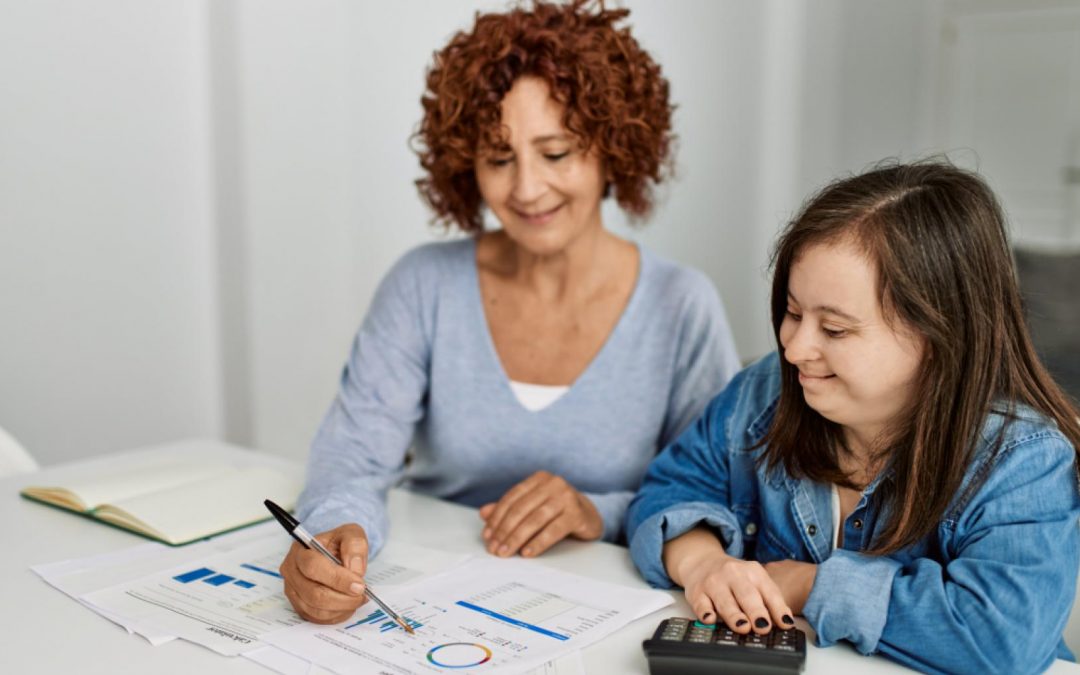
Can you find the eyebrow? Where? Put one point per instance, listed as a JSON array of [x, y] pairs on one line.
[[551, 137], [539, 140], [829, 309]]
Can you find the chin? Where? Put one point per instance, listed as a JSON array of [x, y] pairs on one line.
[[539, 242], [821, 408]]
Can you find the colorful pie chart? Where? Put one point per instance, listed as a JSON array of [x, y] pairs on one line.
[[459, 655]]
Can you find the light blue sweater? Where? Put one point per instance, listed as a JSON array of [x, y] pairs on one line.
[[423, 372]]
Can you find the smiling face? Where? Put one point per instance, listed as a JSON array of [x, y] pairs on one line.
[[855, 368], [541, 186]]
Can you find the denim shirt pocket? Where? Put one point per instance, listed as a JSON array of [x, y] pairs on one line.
[[772, 547]]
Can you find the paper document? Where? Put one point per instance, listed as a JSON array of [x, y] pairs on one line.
[[229, 600], [488, 615], [285, 663]]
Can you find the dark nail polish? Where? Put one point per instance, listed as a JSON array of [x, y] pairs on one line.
[[787, 619], [708, 617], [741, 622], [761, 622]]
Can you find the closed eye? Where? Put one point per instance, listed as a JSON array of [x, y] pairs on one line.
[[499, 161], [554, 157], [834, 333]]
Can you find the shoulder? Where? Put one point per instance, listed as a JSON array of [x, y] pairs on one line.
[[666, 278], [434, 258], [421, 270], [676, 295], [1020, 429], [1018, 447], [748, 403]]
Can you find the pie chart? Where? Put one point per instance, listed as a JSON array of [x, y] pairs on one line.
[[459, 655]]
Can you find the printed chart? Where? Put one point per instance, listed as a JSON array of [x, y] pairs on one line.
[[230, 600], [504, 616], [225, 602]]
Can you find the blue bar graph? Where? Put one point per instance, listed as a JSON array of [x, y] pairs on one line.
[[512, 621], [218, 580], [388, 624], [244, 584], [193, 575], [262, 570]]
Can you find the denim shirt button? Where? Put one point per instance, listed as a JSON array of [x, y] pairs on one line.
[[858, 524], [811, 529], [751, 529]]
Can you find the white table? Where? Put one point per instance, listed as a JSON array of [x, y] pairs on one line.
[[44, 631]]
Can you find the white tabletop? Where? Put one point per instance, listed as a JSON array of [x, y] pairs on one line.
[[45, 631]]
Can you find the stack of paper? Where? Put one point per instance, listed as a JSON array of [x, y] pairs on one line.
[[471, 615]]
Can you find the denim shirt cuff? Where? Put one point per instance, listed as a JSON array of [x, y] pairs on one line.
[[647, 544], [850, 599]]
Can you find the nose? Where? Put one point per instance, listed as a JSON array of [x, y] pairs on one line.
[[800, 345], [528, 182]]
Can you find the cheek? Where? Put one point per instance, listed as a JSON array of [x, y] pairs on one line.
[[787, 329], [489, 184]]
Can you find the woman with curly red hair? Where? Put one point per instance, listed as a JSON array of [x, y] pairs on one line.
[[535, 368]]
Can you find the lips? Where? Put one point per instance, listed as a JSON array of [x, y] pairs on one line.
[[538, 217], [806, 377]]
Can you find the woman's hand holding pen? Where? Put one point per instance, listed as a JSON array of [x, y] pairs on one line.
[[739, 592], [319, 590], [537, 513]]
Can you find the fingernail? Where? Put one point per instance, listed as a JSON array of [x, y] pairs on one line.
[[708, 617], [356, 589], [504, 549], [741, 622], [354, 564], [761, 622], [526, 552], [787, 619]]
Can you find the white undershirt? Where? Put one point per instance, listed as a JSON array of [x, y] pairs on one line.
[[835, 517], [534, 397]]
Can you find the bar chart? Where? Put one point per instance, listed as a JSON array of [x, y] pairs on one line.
[[385, 623]]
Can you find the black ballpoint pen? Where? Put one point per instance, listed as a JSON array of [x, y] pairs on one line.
[[293, 527]]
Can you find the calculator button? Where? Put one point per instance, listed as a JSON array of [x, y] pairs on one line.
[[710, 626], [757, 641]]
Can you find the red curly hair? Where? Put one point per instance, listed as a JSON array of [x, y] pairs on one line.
[[616, 101]]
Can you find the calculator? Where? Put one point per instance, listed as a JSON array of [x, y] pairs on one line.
[[688, 647]]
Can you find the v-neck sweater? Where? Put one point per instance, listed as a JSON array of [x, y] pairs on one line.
[[424, 400]]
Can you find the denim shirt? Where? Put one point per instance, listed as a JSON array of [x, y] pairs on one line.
[[988, 590]]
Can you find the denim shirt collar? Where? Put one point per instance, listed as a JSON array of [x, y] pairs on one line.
[[810, 501]]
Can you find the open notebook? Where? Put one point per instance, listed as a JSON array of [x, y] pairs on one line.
[[174, 500]]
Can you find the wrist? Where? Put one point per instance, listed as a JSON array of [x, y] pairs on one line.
[[593, 522], [687, 552]]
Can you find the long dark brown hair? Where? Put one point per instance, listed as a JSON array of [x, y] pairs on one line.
[[944, 269]]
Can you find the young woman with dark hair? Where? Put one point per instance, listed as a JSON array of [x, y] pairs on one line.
[[903, 471], [535, 369]]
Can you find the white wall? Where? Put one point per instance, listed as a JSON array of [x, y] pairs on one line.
[[198, 198], [106, 259]]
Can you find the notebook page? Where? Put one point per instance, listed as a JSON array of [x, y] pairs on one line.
[[142, 476], [230, 499]]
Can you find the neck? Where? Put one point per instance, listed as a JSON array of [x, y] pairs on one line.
[[577, 269], [861, 463]]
